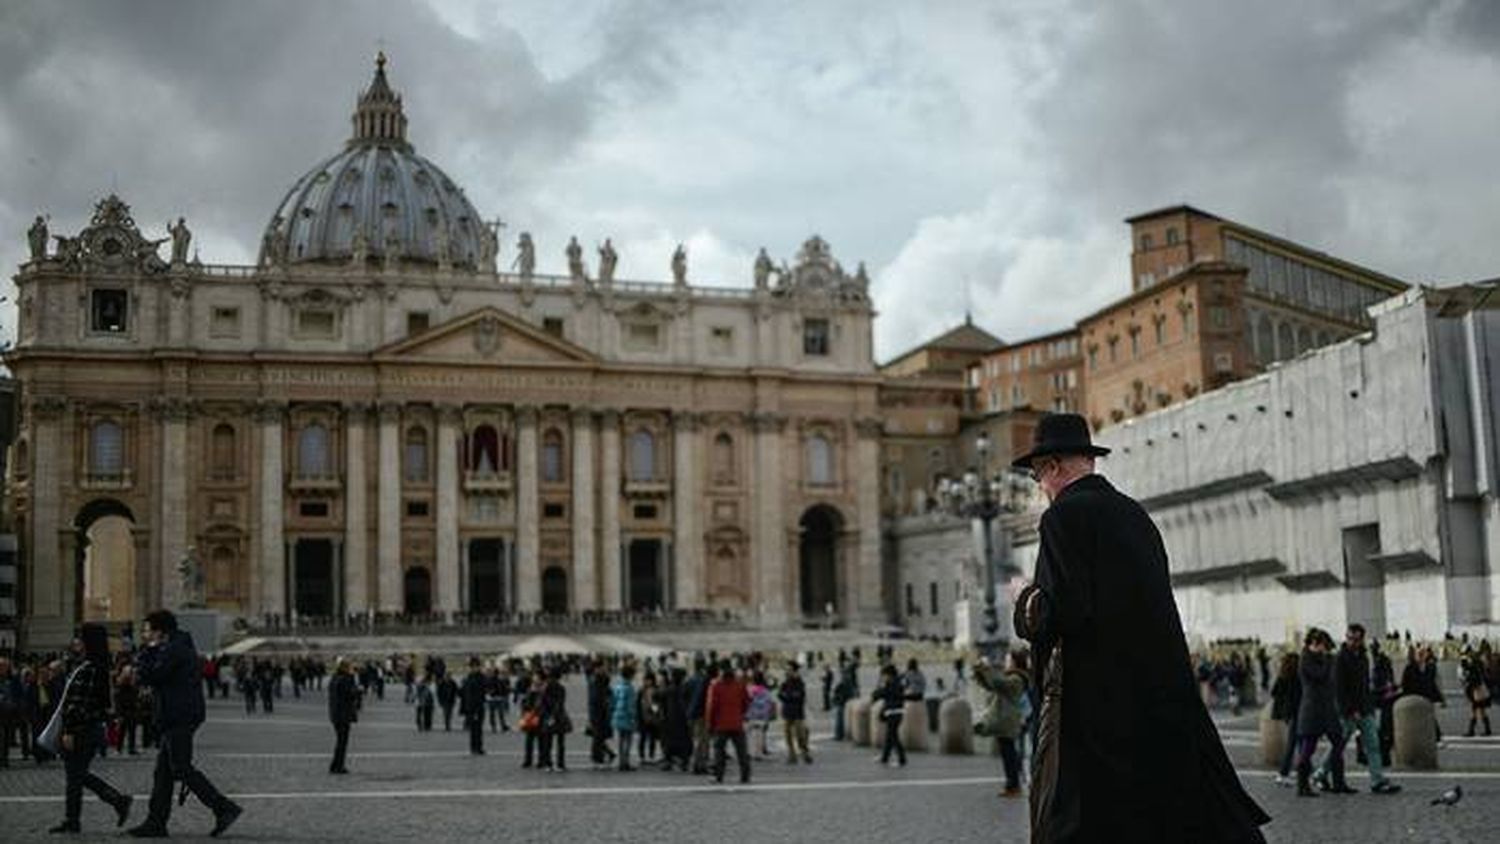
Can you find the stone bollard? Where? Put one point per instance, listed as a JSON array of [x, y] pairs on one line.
[[914, 726], [956, 727], [877, 726], [1415, 734], [1272, 738], [857, 722]]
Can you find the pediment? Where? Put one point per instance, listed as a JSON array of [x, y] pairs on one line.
[[485, 334]]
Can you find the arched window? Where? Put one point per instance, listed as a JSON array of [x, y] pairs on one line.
[[552, 456], [106, 450], [312, 452], [484, 450], [722, 464], [416, 455], [222, 451], [642, 456], [819, 460]]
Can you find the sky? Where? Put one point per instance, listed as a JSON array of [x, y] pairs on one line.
[[979, 157]]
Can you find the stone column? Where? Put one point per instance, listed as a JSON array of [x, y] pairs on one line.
[[609, 508], [388, 512], [356, 530], [172, 504], [585, 581], [769, 521], [865, 598], [49, 464], [528, 537], [271, 551], [446, 553], [687, 537]]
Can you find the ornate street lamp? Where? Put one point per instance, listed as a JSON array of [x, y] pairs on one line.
[[981, 496]]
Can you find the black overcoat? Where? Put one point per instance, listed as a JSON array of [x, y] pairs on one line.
[[1140, 759]]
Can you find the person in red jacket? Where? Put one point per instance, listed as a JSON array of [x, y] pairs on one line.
[[725, 713]]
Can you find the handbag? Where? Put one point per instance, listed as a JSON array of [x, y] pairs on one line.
[[51, 738], [530, 722]]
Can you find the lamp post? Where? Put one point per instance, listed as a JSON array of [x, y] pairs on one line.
[[982, 497]]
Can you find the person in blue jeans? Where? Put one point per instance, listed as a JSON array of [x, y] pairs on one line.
[[1359, 707]]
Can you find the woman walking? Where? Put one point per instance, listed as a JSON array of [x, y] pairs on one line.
[[1286, 697], [1318, 714], [1477, 688], [84, 706]]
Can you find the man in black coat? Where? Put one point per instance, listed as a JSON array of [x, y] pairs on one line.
[[471, 706], [343, 710], [447, 694], [1132, 756], [1359, 707], [169, 666]]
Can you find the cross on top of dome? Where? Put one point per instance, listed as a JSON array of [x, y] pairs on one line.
[[379, 118]]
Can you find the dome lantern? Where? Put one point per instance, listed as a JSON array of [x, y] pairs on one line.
[[379, 118]]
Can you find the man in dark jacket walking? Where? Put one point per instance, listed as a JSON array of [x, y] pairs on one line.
[[471, 706], [343, 710], [168, 665], [1359, 707], [793, 697], [1126, 751]]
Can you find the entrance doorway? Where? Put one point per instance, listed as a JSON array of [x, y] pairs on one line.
[[105, 571], [1364, 581], [313, 579], [486, 576], [819, 561], [417, 589], [644, 590], [554, 591]]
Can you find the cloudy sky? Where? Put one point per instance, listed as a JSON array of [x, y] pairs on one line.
[[974, 154]]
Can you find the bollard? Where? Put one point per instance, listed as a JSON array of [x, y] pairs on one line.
[[913, 730], [857, 722], [1415, 734], [956, 727], [1272, 738]]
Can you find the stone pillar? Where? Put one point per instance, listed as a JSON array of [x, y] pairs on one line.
[[585, 580], [769, 537], [609, 508], [913, 729], [356, 530], [1415, 735], [865, 600], [446, 551], [1273, 738], [271, 550], [687, 504], [956, 727], [528, 537], [388, 512], [857, 721], [172, 493], [49, 466]]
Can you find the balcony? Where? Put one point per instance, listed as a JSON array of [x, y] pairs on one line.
[[316, 482], [122, 479], [648, 488], [487, 481]]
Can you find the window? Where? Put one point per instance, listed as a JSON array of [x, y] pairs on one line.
[[221, 572], [1219, 316], [484, 451], [553, 510], [815, 337], [1187, 322], [222, 451], [1172, 236], [417, 322], [312, 452], [642, 336], [106, 450], [224, 322], [1015, 362], [994, 402], [552, 456], [416, 455], [1135, 344], [416, 508], [1161, 332], [723, 459], [1223, 362], [819, 460], [721, 340], [644, 511], [1114, 344], [108, 311], [642, 456], [553, 325], [1015, 395], [911, 601], [1093, 358], [312, 509], [316, 323], [932, 597], [1145, 242]]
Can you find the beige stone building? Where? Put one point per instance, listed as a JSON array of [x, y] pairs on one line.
[[375, 418]]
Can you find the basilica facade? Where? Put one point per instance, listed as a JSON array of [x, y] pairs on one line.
[[387, 415]]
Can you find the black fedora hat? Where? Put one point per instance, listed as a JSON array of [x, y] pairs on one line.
[[1060, 433]]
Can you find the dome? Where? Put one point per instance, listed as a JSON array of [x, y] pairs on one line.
[[379, 191]]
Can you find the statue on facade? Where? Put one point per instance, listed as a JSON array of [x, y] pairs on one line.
[[489, 245], [679, 266], [525, 260], [763, 268], [576, 269], [273, 244], [146, 254], [37, 236], [69, 250], [359, 247], [444, 247], [181, 237], [608, 258], [190, 579], [392, 253]]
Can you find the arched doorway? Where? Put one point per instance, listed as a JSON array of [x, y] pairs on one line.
[[645, 575], [554, 591], [486, 583], [417, 589], [105, 572], [818, 560], [314, 578]]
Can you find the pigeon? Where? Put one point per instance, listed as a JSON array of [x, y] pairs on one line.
[[1449, 797]]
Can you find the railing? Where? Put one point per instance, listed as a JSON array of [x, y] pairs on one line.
[[493, 623], [485, 481]]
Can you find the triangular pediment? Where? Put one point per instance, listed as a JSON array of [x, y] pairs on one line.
[[485, 334]]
